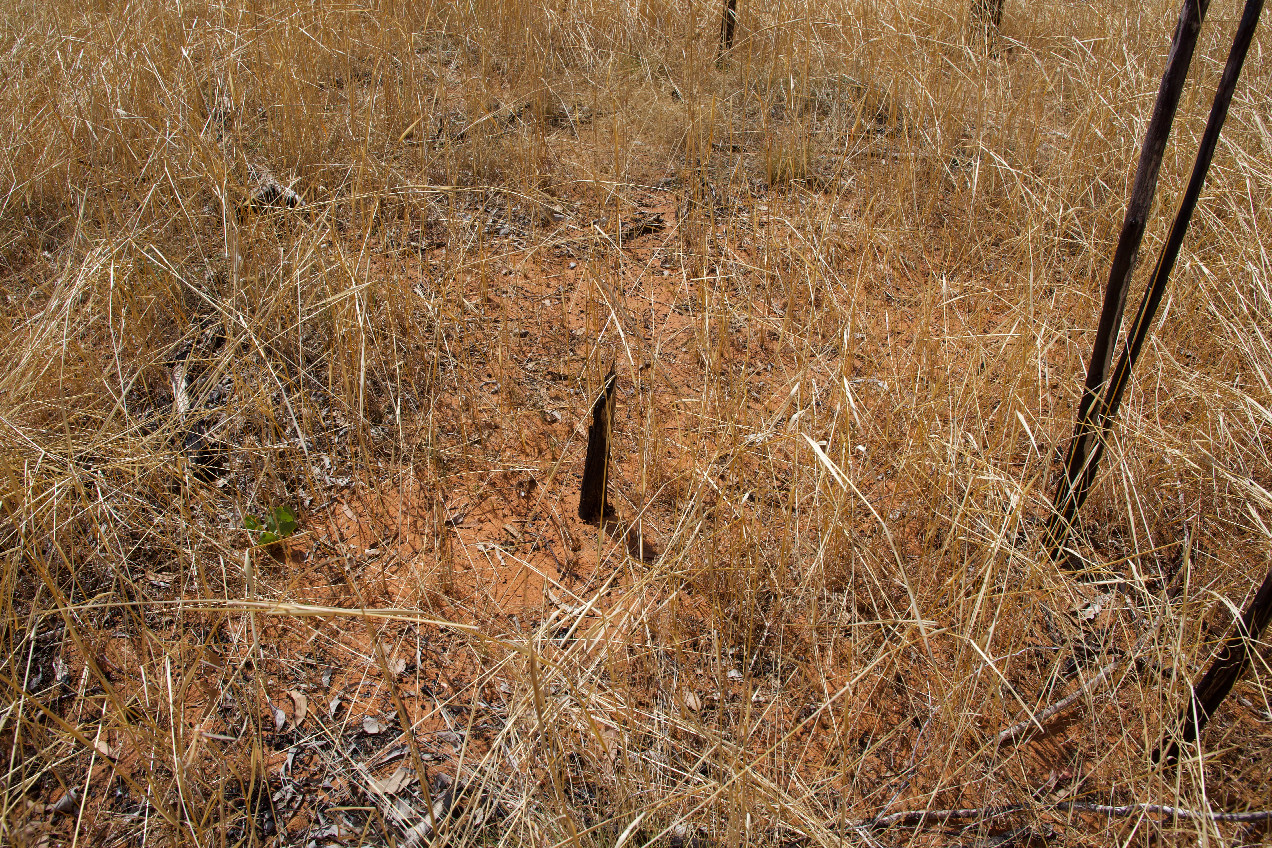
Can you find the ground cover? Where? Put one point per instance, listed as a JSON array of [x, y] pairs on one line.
[[367, 266]]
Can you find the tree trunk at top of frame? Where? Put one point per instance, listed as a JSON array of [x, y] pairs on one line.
[[729, 23], [988, 13]]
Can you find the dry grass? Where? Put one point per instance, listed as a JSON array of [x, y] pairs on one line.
[[845, 363]]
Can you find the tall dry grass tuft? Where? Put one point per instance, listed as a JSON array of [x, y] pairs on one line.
[[849, 273]]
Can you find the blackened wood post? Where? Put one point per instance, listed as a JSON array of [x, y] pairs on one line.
[[728, 24], [1091, 411], [1209, 693], [593, 506]]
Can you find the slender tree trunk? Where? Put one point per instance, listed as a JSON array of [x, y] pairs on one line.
[[1081, 462], [1138, 332], [1219, 679], [988, 13], [728, 24]]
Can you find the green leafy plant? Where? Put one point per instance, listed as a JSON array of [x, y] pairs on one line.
[[278, 524]]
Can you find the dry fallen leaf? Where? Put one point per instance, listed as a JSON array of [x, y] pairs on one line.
[[395, 782], [280, 718], [67, 804], [302, 706], [372, 726], [692, 702], [613, 741], [397, 666]]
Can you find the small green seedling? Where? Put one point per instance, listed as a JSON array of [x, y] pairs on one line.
[[278, 525]]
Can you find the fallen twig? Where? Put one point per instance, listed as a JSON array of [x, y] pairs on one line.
[[921, 817], [938, 816], [1013, 733], [1017, 729], [1164, 810]]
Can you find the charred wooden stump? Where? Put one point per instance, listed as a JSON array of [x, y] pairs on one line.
[[593, 505]]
